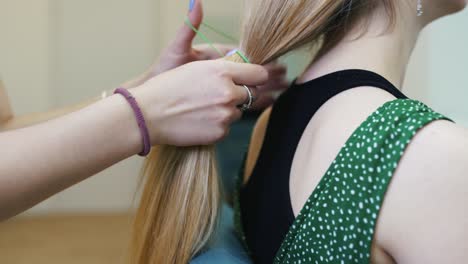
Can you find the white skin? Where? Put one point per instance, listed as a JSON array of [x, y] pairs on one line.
[[41, 159], [424, 215]]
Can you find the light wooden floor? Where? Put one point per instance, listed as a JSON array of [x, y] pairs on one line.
[[92, 239]]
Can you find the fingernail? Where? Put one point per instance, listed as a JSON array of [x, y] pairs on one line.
[[232, 52], [191, 5]]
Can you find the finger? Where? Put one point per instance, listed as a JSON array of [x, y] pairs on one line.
[[279, 84], [264, 102], [241, 96], [246, 74], [185, 35], [206, 52], [226, 48], [276, 69], [236, 114]]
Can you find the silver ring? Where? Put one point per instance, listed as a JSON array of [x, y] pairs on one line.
[[250, 101]]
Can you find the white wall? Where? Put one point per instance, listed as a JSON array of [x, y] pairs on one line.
[[56, 52], [25, 38], [448, 66], [98, 45], [438, 73]]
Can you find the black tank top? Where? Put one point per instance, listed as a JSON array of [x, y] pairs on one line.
[[265, 203]]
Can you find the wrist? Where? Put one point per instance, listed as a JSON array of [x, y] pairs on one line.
[[126, 133], [139, 118], [138, 81], [150, 106]]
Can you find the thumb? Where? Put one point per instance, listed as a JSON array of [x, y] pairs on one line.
[[185, 35], [246, 74]]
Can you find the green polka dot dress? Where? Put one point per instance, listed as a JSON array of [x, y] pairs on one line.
[[337, 223]]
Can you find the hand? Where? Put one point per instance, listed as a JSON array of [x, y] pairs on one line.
[[196, 103], [277, 83], [181, 51]]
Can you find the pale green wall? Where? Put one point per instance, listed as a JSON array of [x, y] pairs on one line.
[[447, 76], [25, 53]]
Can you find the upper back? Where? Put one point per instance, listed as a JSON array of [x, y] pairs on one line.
[[294, 143], [310, 125], [323, 138]]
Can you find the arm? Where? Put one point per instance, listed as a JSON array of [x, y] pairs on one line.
[[6, 113], [11, 122], [36, 118], [424, 217], [41, 160], [180, 52], [8, 121]]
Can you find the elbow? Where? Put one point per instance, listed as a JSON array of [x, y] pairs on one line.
[[6, 124]]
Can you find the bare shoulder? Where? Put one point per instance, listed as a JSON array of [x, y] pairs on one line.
[[438, 152], [256, 143], [424, 215], [441, 134], [441, 142]]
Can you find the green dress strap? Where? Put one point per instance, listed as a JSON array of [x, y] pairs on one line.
[[337, 223]]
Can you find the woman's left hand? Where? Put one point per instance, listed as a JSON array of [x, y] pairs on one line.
[[181, 51]]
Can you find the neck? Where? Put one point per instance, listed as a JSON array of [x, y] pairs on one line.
[[381, 50]]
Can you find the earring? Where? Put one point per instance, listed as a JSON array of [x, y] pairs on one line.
[[419, 10]]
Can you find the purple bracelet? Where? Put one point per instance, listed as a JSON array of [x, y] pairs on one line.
[[140, 119]]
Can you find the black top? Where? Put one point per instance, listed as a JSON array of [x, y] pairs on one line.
[[266, 209]]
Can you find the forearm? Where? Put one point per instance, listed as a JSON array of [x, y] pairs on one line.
[[12, 122], [39, 161], [8, 121], [42, 160]]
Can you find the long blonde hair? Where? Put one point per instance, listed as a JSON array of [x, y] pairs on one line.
[[181, 198]]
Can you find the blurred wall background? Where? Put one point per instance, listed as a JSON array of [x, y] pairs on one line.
[[56, 52], [447, 71]]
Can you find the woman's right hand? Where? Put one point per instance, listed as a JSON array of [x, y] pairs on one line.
[[196, 103]]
